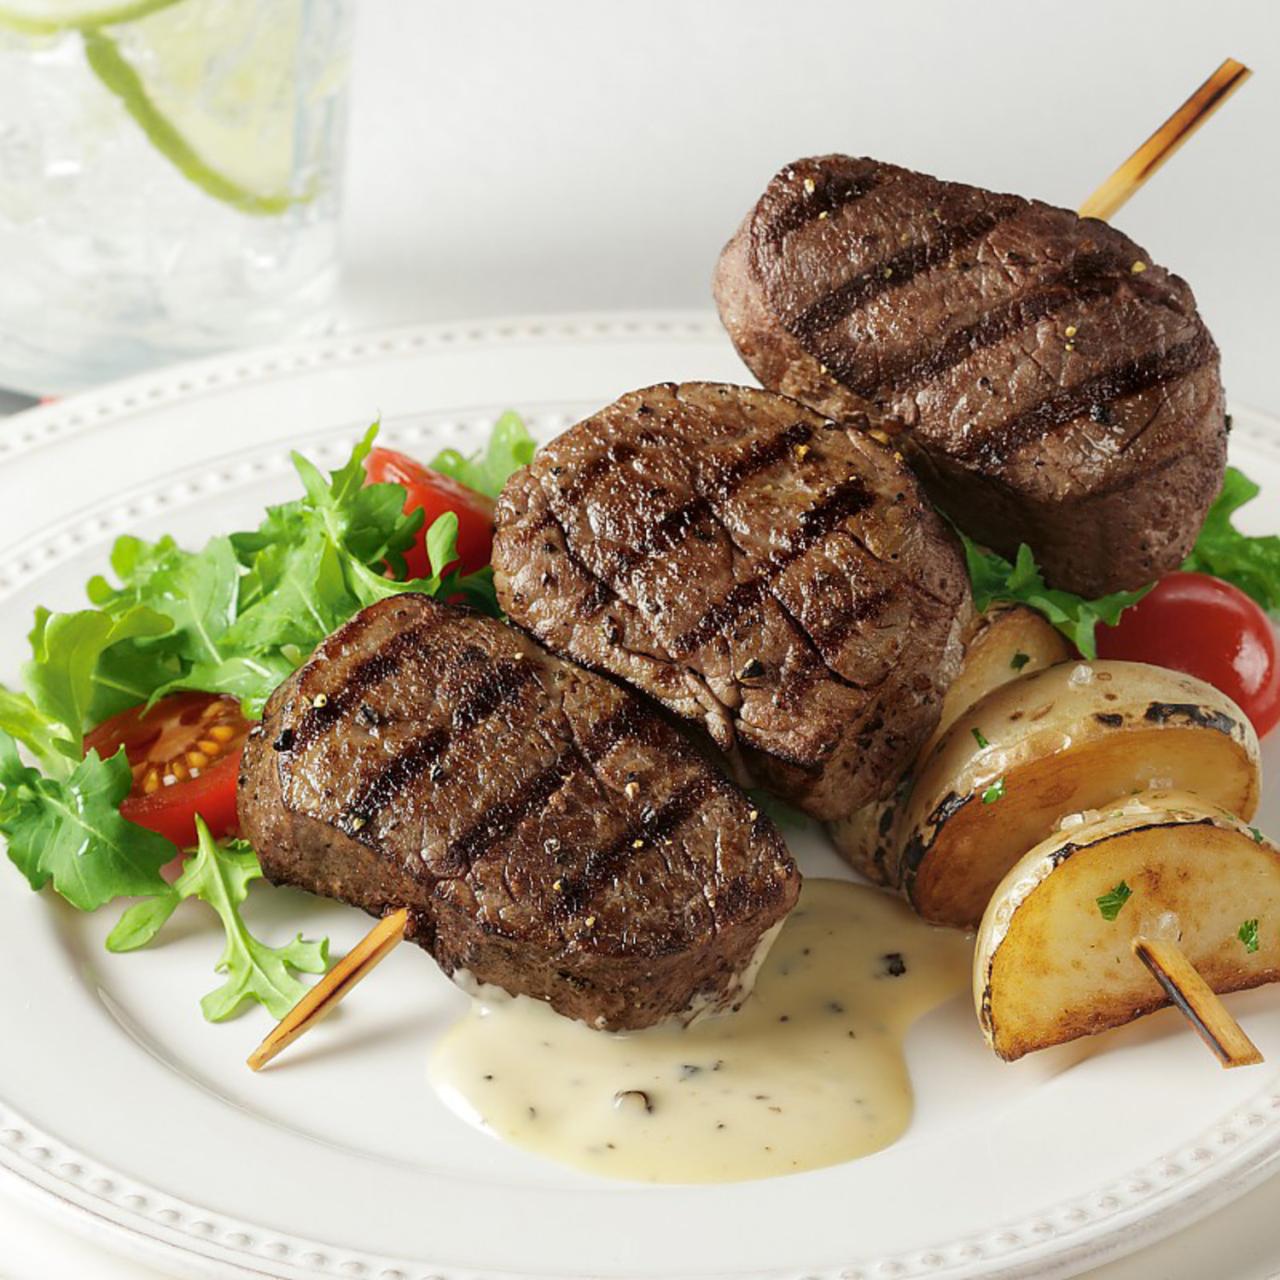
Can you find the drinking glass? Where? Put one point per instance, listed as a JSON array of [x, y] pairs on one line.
[[169, 180]]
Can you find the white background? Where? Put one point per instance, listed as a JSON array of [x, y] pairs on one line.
[[541, 155]]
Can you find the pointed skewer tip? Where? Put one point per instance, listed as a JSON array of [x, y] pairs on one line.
[[1129, 177], [322, 999]]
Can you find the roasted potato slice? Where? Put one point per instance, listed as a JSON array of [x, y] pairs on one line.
[[1054, 959], [1009, 640], [1075, 736]]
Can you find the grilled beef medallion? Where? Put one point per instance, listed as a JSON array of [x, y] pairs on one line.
[[752, 566], [549, 833], [1048, 381]]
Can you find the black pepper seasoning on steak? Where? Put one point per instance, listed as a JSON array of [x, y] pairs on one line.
[[752, 566], [548, 831], [1049, 383]]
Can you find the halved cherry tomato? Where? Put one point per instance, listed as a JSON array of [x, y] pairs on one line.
[[1208, 628], [185, 755], [436, 494]]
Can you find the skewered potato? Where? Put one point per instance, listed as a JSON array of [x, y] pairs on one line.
[[1055, 960], [1075, 736], [1008, 641]]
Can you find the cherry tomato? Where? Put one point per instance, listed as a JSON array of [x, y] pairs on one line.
[[1207, 628], [185, 755], [436, 494]]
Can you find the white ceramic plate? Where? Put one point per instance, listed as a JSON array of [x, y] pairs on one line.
[[128, 1114]]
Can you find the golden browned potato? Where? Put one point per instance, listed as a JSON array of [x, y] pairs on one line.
[[1008, 640], [1054, 959], [1072, 737]]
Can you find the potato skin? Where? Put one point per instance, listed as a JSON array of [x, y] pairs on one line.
[[1075, 736], [1049, 967]]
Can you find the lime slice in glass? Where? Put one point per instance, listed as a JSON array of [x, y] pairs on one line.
[[51, 17], [214, 87]]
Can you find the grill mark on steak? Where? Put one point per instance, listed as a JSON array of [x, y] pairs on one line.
[[671, 529], [655, 825], [630, 723], [844, 501], [1088, 278], [601, 592], [757, 456], [618, 452], [831, 193], [501, 819], [831, 637], [363, 676], [500, 684], [820, 667], [744, 596], [893, 272], [1060, 407]]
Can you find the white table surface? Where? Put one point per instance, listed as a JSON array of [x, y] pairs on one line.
[[515, 157]]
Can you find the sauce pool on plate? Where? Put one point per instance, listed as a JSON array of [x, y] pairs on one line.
[[810, 1072]]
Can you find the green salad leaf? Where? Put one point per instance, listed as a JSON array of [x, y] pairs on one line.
[[510, 448], [994, 579], [71, 832], [1251, 563], [237, 616], [44, 738], [66, 648], [220, 875]]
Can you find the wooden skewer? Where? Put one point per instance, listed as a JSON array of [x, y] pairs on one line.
[[1104, 202], [1197, 1002], [1190, 993], [333, 988]]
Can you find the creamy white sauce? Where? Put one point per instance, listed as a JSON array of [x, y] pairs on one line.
[[809, 1072]]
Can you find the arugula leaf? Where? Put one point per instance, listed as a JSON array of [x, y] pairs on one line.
[[42, 736], [1110, 903], [237, 616], [315, 562], [994, 579], [510, 447], [141, 922], [65, 652], [1251, 563], [196, 590], [71, 831], [220, 875], [300, 592]]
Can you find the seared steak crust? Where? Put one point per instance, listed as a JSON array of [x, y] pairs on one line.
[[549, 833], [1047, 380], [752, 566]]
